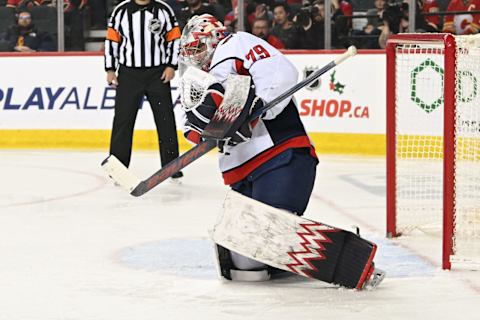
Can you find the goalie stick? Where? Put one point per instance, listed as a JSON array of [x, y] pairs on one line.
[[216, 129]]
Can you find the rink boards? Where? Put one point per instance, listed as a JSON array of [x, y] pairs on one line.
[[63, 101]]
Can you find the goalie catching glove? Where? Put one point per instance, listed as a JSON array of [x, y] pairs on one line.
[[244, 133], [199, 116]]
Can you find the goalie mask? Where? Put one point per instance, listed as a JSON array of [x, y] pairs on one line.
[[199, 39]]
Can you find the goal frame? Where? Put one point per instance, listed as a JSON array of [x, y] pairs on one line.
[[449, 86]]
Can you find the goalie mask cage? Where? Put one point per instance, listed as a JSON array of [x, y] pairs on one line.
[[433, 141]]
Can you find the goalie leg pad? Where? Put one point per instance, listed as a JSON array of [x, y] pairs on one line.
[[348, 263], [355, 263], [288, 242]]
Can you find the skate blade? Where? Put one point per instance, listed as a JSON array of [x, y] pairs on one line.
[[377, 277], [176, 181]]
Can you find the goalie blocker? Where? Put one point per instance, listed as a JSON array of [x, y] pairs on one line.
[[285, 241]]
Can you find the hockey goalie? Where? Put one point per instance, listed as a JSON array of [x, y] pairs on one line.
[[269, 163]]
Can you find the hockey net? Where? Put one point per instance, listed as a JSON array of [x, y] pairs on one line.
[[433, 141]]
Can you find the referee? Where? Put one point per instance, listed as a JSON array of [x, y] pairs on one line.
[[142, 43]]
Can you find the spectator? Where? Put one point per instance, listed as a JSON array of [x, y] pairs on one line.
[[74, 20], [176, 5], [314, 28], [257, 10], [98, 13], [220, 9], [318, 11], [231, 20], [395, 20], [23, 4], [261, 29], [25, 37], [341, 26], [294, 3], [397, 16], [289, 33], [269, 3], [195, 8], [462, 23], [225, 4], [374, 19], [368, 37], [234, 27], [261, 11], [433, 22]]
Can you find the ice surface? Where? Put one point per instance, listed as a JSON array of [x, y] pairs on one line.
[[75, 247]]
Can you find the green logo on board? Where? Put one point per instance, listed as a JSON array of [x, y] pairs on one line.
[[335, 85], [467, 86], [422, 76], [428, 95]]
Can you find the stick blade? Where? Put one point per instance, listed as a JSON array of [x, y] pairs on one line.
[[120, 174], [140, 189]]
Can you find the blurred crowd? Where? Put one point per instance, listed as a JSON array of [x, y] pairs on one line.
[[31, 25]]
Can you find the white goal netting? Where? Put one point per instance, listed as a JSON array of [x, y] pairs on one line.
[[419, 92]]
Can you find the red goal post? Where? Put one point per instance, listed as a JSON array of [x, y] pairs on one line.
[[433, 140]]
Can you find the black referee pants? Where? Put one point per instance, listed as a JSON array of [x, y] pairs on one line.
[[133, 85]]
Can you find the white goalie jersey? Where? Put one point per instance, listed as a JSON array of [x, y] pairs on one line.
[[272, 74], [245, 54]]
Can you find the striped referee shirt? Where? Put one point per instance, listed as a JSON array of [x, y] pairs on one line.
[[142, 36]]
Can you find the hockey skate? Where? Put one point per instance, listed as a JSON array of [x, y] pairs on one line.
[[375, 279], [227, 270], [176, 178]]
